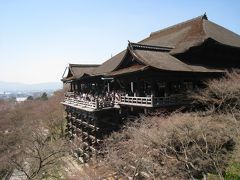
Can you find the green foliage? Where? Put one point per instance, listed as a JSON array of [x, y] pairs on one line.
[[29, 98], [233, 171], [44, 96]]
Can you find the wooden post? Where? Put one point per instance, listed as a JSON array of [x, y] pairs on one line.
[[71, 87], [145, 111], [108, 87], [137, 88], [79, 87], [152, 100], [152, 88], [97, 104], [74, 86], [167, 89], [132, 87]]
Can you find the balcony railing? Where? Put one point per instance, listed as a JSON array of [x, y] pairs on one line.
[[72, 99], [80, 103], [69, 94], [169, 101], [152, 101], [137, 101]]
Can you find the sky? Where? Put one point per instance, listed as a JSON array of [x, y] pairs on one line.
[[38, 38]]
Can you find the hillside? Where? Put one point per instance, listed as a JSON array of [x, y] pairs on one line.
[[198, 143]]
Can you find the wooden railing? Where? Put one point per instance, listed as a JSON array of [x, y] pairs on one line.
[[151, 101], [81, 103], [137, 101], [90, 104], [168, 101], [74, 100], [69, 94]]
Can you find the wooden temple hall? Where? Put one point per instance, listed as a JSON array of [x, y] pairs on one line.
[[156, 72]]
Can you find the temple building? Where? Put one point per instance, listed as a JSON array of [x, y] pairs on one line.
[[154, 73]]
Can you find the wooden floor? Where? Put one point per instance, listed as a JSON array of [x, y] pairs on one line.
[[87, 108]]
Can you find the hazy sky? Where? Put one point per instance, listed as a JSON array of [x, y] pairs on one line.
[[38, 38]]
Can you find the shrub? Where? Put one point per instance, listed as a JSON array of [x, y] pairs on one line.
[[31, 136], [221, 94], [180, 146]]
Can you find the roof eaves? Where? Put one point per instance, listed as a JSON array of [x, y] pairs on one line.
[[150, 47], [84, 65], [128, 50]]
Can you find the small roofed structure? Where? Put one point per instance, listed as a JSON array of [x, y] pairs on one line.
[[78, 71]]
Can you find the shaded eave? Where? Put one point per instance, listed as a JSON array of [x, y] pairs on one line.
[[166, 63], [82, 71]]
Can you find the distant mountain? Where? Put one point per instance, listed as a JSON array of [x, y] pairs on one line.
[[10, 86]]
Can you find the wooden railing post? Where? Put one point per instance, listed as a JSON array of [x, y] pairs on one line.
[[152, 101]]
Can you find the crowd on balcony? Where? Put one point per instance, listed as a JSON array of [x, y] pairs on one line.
[[110, 97]]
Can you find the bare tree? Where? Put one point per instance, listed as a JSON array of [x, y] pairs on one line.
[[182, 146], [221, 94], [40, 158], [32, 137]]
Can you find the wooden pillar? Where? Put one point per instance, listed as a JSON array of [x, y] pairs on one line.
[[167, 89], [137, 88], [152, 88], [145, 111], [71, 86], [75, 87], [79, 87], [97, 103], [194, 83], [108, 86], [131, 108], [152, 100], [132, 87]]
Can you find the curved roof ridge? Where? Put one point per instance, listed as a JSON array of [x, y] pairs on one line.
[[180, 24], [150, 47], [84, 65]]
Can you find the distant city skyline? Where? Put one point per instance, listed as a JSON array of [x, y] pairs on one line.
[[39, 38]]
